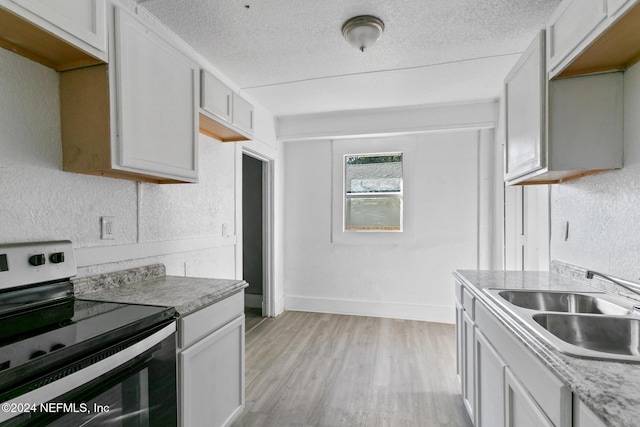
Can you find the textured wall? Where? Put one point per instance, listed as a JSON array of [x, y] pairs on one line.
[[38, 201], [411, 279], [603, 210]]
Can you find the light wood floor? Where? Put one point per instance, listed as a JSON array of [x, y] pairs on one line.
[[310, 369]]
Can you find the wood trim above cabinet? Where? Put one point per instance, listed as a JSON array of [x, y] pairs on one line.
[[223, 132]]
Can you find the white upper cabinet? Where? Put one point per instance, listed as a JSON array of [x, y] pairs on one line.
[[224, 115], [525, 88], [570, 24], [61, 34], [216, 97], [591, 36], [561, 129], [614, 6], [242, 114], [156, 103], [136, 118]]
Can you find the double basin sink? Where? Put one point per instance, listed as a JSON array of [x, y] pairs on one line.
[[584, 324]]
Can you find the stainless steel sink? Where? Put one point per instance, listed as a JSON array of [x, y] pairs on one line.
[[594, 335], [564, 302], [585, 324]]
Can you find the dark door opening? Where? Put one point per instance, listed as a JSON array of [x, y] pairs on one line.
[[253, 214]]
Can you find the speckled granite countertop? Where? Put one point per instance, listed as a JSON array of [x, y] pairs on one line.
[[149, 285], [610, 389]]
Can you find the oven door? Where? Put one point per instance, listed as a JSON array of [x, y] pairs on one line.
[[135, 386]]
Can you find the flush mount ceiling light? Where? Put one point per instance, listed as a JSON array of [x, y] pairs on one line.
[[363, 31]]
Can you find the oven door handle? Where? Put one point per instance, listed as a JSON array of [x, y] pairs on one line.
[[64, 385]]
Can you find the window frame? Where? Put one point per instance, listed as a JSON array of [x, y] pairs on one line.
[[373, 195]]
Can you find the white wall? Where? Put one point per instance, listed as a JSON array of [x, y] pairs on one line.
[[179, 225], [408, 280], [603, 210]]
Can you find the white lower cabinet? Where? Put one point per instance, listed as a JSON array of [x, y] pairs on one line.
[[583, 417], [490, 384], [520, 408], [465, 335], [459, 345], [211, 369], [503, 384], [468, 367]]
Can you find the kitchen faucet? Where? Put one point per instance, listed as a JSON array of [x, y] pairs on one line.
[[589, 275]]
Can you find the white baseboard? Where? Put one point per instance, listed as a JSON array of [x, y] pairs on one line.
[[279, 307], [252, 300], [428, 313]]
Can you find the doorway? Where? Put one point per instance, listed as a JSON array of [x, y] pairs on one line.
[[256, 236]]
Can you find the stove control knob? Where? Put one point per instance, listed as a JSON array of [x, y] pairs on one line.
[[37, 353], [56, 257], [57, 346], [37, 260]]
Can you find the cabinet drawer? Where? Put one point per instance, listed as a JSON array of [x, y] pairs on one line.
[[546, 389], [468, 302], [196, 325], [458, 291], [572, 22]]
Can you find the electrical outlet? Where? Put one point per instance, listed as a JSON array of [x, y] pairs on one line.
[[107, 227]]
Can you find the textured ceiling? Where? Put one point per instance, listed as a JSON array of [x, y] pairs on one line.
[[291, 57]]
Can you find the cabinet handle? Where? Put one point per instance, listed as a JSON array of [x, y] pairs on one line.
[[228, 105]]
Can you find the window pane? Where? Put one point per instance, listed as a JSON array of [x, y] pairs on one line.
[[373, 173], [373, 213]]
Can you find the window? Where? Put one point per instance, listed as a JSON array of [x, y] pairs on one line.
[[391, 197], [373, 192]]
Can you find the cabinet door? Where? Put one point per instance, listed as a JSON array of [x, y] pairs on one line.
[[157, 88], [82, 19], [570, 24], [583, 416], [520, 409], [216, 97], [525, 89], [242, 114], [468, 365], [212, 377], [459, 343], [614, 6], [489, 384]]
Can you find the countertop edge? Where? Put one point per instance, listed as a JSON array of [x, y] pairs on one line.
[[185, 294]]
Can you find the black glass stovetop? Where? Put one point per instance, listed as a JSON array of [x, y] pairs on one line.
[[38, 338]]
